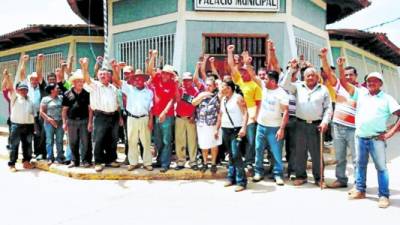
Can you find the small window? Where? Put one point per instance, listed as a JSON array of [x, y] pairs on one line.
[[51, 62], [310, 51]]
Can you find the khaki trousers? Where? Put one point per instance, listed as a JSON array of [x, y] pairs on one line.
[[138, 129], [185, 136]]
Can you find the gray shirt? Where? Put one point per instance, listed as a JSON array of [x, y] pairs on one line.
[[311, 104], [53, 106]]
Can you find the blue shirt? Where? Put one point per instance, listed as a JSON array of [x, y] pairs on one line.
[[138, 102], [373, 112], [35, 96]]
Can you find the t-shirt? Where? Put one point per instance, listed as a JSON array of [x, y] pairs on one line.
[[185, 108], [78, 104], [345, 109], [251, 93], [53, 106], [164, 92], [270, 114]]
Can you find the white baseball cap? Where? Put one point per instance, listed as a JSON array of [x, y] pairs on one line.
[[376, 75]]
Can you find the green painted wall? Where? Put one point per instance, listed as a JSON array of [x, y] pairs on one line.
[[277, 31], [55, 49], [167, 28], [126, 11], [84, 50], [309, 12], [10, 57], [190, 5], [298, 32]]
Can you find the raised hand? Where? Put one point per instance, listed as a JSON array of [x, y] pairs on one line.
[[230, 48], [40, 57], [294, 64], [25, 58], [212, 59], [341, 61], [323, 52], [270, 45], [84, 62]]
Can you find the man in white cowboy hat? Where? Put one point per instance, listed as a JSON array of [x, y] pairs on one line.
[[374, 108], [165, 93], [77, 120], [22, 121], [140, 120], [185, 127]]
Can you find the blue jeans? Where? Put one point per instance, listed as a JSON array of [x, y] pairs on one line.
[[377, 150], [163, 140], [343, 138], [263, 135], [20, 133], [236, 173], [59, 134], [251, 142]]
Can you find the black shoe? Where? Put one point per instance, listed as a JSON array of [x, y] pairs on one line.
[[179, 167], [204, 168], [67, 162], [213, 168], [163, 170], [194, 167], [157, 165]]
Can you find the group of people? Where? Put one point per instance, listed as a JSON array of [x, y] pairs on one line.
[[237, 115]]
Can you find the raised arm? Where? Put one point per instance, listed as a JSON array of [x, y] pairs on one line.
[[69, 65], [196, 80], [7, 83], [203, 66], [287, 79], [231, 62], [98, 64], [39, 67], [213, 68], [330, 75], [84, 62], [116, 68], [343, 81], [60, 77], [22, 69], [272, 62], [152, 60]]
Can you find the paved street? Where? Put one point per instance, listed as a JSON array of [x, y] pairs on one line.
[[37, 197]]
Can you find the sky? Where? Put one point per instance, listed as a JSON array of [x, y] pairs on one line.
[[14, 17]]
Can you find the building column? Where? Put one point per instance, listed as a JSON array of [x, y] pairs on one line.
[[179, 61]]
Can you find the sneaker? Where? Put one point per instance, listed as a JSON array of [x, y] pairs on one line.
[[133, 167], [383, 202], [213, 168], [98, 168], [228, 183], [292, 177], [179, 167], [27, 165], [148, 168], [240, 188], [357, 195], [257, 178], [337, 184], [299, 182], [13, 169], [279, 181]]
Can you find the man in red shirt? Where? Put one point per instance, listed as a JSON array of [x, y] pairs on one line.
[[165, 92], [185, 127]]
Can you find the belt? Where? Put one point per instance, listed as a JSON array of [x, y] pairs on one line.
[[184, 117], [310, 121], [105, 113], [135, 116]]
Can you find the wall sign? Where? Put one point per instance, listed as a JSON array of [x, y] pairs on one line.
[[237, 5]]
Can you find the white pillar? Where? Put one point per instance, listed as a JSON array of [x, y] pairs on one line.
[[179, 61]]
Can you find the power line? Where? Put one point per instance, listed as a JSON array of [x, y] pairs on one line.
[[381, 24]]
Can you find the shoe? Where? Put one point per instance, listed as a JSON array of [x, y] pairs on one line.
[[13, 169], [194, 167], [353, 189], [383, 202], [114, 165], [357, 195], [279, 181], [240, 188], [86, 165], [67, 162], [157, 165], [148, 168], [213, 168], [322, 185], [337, 184], [27, 165], [228, 183], [204, 168], [71, 165], [163, 170], [126, 161], [49, 162], [39, 157], [133, 167], [98, 168], [179, 167], [299, 182], [257, 178], [292, 177]]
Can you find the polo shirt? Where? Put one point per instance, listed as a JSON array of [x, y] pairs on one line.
[[138, 102], [184, 108], [373, 111], [77, 104], [164, 92]]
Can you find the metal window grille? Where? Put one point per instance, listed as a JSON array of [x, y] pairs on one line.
[[135, 52], [310, 51], [51, 62], [11, 66], [215, 45]]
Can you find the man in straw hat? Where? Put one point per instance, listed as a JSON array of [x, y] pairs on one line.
[[77, 120], [165, 92], [140, 120], [374, 108]]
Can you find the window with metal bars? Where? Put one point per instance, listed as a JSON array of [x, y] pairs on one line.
[[310, 51], [135, 52], [215, 45], [51, 62]]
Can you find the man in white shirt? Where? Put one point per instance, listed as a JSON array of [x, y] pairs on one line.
[[22, 120], [272, 120], [104, 103]]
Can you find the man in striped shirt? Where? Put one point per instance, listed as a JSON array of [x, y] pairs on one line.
[[343, 120]]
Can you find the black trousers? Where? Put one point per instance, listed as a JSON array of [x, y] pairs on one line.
[[290, 143], [307, 140], [39, 138], [105, 137]]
